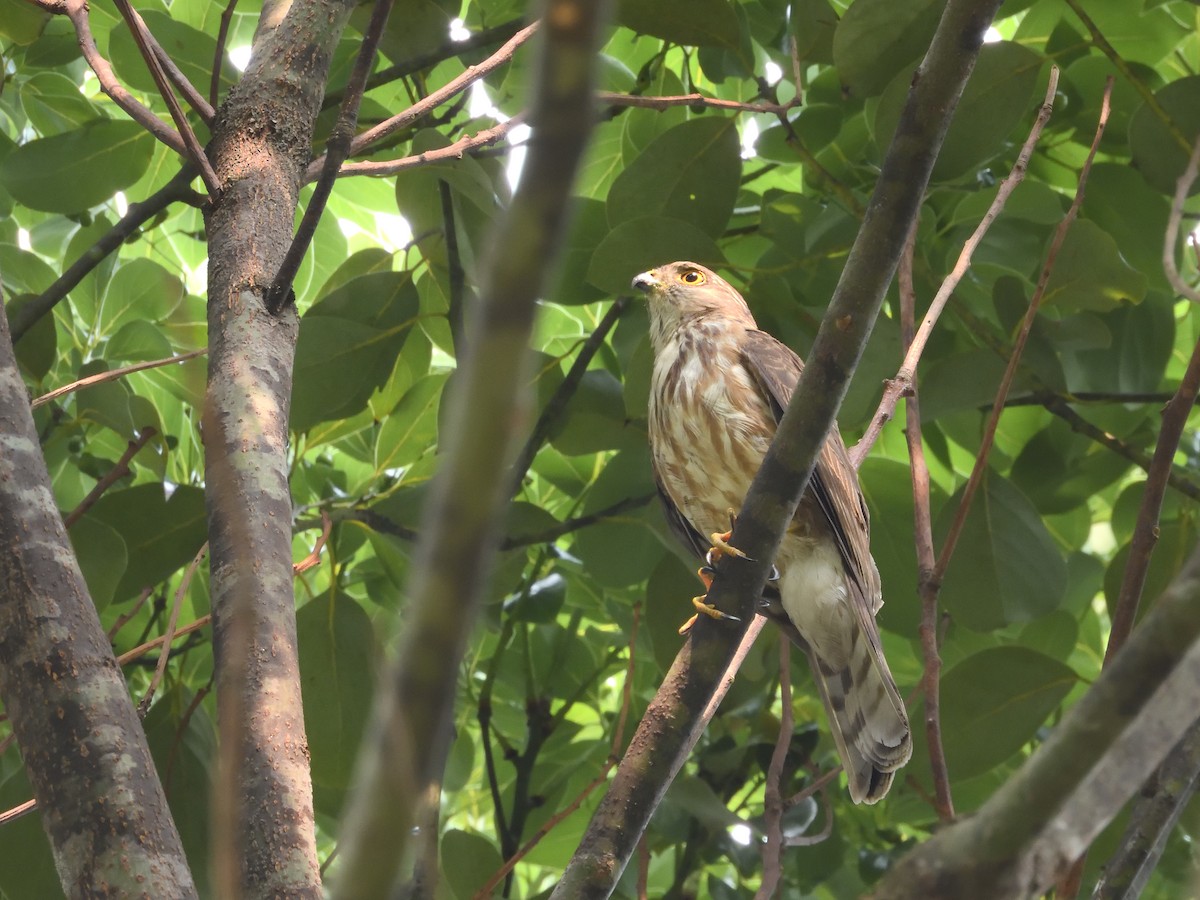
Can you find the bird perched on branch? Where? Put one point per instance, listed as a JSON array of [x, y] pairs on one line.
[[718, 390]]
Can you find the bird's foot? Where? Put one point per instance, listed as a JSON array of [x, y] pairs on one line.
[[705, 574], [721, 546]]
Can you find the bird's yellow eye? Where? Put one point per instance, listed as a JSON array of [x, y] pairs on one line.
[[692, 277]]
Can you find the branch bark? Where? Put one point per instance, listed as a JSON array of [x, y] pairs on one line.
[[406, 743], [264, 841], [1042, 818], [674, 717], [81, 741]]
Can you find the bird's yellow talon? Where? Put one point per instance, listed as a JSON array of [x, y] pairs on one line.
[[721, 546]]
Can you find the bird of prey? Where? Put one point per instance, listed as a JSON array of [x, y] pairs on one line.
[[717, 392]]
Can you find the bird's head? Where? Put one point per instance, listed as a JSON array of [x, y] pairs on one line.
[[681, 293]]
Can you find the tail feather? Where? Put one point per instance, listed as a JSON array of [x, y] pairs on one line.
[[867, 718]]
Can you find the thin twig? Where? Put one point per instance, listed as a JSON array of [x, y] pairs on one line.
[[169, 633], [772, 848], [1182, 186], [927, 588], [903, 380], [111, 477], [194, 151], [699, 101], [337, 148], [613, 755], [77, 12], [314, 555], [457, 150], [214, 87], [442, 94], [1145, 532], [989, 434], [1079, 424], [124, 618], [142, 649], [113, 375], [557, 404], [23, 809], [194, 98]]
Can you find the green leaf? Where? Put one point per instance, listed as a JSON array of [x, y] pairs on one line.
[[622, 551], [76, 170], [694, 23], [140, 289], [21, 23], [54, 104], [641, 244], [1006, 567], [1090, 273], [338, 654], [137, 341], [24, 839], [411, 428], [468, 860], [595, 416], [161, 535], [876, 39], [1156, 152], [997, 97], [183, 742], [102, 557], [992, 704], [589, 225], [690, 172], [348, 346], [541, 602], [37, 351]]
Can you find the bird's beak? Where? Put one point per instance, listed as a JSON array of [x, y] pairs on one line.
[[646, 281]]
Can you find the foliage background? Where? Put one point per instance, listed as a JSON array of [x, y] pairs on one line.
[[774, 200]]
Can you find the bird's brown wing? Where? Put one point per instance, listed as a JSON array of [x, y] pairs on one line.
[[683, 530], [834, 482]]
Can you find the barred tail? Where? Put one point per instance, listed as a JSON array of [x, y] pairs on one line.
[[867, 718]]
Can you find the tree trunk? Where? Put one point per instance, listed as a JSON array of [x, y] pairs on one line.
[[261, 145], [83, 746]]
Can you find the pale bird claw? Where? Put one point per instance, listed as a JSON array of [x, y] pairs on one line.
[[721, 546], [774, 576]]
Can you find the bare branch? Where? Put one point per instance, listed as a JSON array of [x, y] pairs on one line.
[[113, 375], [169, 632], [905, 377], [337, 148], [989, 434], [111, 477], [773, 806], [214, 87], [456, 150], [77, 12], [1182, 186]]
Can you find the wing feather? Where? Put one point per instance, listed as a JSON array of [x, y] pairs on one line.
[[834, 484]]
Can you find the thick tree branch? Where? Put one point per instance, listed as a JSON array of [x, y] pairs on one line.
[[1155, 811], [406, 743], [674, 717], [80, 738], [1042, 818], [263, 829]]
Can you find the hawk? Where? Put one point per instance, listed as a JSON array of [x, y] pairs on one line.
[[718, 390]]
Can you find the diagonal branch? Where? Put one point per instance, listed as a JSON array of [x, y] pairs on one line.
[[456, 150], [337, 148], [77, 12], [676, 714], [195, 153], [989, 434], [138, 214], [1182, 186]]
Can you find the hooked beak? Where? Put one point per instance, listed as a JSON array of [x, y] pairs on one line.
[[646, 281]]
